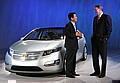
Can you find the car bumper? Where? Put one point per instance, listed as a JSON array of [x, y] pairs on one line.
[[46, 64]]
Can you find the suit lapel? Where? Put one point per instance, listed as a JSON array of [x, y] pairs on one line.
[[99, 20], [72, 27]]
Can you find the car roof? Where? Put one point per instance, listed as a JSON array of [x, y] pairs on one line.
[[44, 28]]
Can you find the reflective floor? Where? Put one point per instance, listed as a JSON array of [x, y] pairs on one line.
[[84, 68]]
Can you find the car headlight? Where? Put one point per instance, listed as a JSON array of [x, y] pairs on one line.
[[48, 52], [52, 63], [10, 51]]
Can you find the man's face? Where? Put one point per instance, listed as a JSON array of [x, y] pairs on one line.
[[74, 18], [97, 10]]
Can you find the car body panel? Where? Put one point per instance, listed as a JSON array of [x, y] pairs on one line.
[[39, 56]]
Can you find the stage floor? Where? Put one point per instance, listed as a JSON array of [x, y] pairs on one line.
[[84, 68]]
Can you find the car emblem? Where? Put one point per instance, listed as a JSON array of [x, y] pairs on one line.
[[24, 56]]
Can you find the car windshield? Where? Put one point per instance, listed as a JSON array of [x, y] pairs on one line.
[[45, 34]]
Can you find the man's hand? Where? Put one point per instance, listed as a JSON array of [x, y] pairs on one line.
[[78, 34]]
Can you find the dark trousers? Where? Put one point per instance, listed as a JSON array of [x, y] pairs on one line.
[[99, 47], [70, 61]]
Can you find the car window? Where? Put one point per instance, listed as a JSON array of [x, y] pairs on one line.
[[45, 34], [51, 34], [34, 35]]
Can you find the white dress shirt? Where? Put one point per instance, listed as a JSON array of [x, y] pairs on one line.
[[100, 15], [74, 25]]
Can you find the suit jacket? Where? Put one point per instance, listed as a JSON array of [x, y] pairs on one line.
[[103, 27], [71, 39]]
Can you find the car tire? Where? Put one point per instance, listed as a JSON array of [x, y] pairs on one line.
[[63, 68], [84, 55]]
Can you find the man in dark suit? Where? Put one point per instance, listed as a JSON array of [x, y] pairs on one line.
[[102, 28], [71, 45]]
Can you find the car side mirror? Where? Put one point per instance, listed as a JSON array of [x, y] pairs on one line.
[[21, 38]]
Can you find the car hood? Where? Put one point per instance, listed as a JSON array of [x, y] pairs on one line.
[[36, 45]]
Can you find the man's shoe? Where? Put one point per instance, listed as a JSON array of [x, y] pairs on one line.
[[76, 74], [70, 76], [101, 76], [94, 74]]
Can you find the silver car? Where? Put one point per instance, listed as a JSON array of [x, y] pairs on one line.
[[41, 51]]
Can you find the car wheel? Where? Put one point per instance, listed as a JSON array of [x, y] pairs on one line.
[[63, 66], [84, 55]]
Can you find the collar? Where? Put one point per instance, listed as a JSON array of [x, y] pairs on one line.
[[73, 23], [101, 14]]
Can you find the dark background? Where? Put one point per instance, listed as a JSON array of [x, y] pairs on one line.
[[18, 17]]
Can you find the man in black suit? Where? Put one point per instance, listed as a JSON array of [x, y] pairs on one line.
[[71, 45], [102, 28]]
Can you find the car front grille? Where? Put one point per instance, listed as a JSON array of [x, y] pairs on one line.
[[26, 56], [26, 68]]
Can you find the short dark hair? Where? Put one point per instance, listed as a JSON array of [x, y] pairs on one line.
[[99, 6], [71, 15]]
